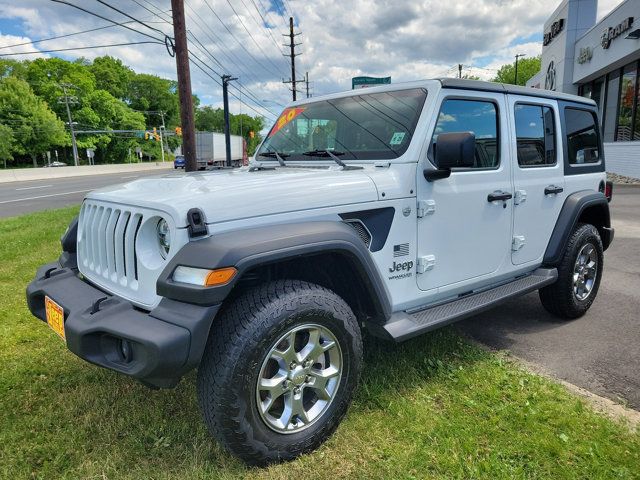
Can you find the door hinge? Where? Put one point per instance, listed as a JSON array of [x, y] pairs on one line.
[[517, 243], [425, 263], [520, 197], [425, 207]]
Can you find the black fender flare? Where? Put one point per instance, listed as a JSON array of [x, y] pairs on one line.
[[573, 207], [248, 248]]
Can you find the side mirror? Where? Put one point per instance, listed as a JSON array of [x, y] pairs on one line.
[[452, 150]]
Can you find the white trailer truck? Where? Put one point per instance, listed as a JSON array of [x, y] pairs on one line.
[[210, 149]]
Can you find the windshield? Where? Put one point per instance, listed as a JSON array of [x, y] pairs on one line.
[[371, 126]]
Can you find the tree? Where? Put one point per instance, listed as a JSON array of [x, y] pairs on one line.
[[152, 93], [7, 142], [35, 127], [112, 75], [209, 119], [527, 68]]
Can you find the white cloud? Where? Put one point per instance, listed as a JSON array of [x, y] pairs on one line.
[[406, 39]]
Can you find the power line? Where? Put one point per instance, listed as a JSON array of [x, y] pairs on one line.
[[108, 20], [80, 48], [201, 47], [265, 23], [236, 39], [64, 36], [197, 64], [131, 18], [252, 37]]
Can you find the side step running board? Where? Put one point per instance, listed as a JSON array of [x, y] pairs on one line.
[[404, 325]]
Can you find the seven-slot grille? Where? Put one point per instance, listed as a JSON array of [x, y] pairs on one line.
[[106, 243]]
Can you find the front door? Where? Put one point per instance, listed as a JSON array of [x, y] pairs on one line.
[[538, 175], [464, 236]]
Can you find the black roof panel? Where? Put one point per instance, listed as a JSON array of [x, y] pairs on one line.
[[464, 84]]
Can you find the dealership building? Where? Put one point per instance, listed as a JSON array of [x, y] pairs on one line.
[[599, 61]]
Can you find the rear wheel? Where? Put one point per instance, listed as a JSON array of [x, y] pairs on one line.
[[579, 275], [279, 370]]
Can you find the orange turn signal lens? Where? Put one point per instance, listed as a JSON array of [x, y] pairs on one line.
[[220, 276]]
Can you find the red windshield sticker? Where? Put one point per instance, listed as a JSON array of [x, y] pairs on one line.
[[288, 115]]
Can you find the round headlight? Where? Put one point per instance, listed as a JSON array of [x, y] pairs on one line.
[[164, 237]]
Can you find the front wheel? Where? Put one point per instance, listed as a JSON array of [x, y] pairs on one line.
[[281, 364], [579, 275]]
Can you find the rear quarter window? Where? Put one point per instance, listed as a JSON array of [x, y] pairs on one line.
[[583, 146]]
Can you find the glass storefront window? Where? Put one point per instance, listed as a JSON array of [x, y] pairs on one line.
[[611, 108], [597, 95], [636, 128], [627, 97]]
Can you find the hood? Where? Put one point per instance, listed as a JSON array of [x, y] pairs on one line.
[[225, 195]]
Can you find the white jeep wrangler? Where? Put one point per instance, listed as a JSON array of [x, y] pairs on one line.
[[393, 210]]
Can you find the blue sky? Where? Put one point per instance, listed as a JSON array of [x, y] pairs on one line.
[[406, 39]]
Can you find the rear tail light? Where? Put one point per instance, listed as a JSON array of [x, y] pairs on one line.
[[608, 190]]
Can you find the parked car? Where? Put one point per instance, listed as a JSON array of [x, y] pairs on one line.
[[179, 162], [56, 164], [394, 211]]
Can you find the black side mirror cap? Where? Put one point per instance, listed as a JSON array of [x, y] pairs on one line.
[[432, 175], [455, 150]]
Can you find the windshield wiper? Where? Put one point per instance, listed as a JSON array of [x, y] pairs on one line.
[[334, 155], [276, 155]]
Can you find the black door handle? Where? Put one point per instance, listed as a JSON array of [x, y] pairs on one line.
[[552, 189], [498, 195]]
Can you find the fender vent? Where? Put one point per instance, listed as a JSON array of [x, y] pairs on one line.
[[361, 230]]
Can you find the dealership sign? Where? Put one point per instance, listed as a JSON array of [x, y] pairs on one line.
[[554, 31], [614, 32], [585, 55]]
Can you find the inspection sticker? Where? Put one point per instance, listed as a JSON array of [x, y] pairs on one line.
[[288, 115], [397, 138]]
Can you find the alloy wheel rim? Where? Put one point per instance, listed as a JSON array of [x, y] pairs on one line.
[[585, 271], [299, 378]]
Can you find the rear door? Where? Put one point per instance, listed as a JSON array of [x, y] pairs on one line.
[[538, 175]]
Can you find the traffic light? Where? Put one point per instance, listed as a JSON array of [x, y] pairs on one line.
[[156, 137], [252, 134], [179, 131], [146, 135]]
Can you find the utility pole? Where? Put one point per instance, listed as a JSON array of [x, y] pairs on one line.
[[292, 47], [225, 100], [459, 70], [184, 86], [516, 75], [74, 100]]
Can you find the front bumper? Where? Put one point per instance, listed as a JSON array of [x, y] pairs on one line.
[[159, 346]]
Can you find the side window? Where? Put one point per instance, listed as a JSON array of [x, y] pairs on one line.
[[582, 136], [535, 135], [478, 117]]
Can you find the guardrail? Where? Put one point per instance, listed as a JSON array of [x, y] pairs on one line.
[[26, 174]]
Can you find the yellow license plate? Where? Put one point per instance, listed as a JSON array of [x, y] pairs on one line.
[[55, 316]]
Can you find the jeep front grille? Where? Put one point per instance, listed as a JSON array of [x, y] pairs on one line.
[[106, 243]]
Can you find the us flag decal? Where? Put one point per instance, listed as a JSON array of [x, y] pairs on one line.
[[401, 250]]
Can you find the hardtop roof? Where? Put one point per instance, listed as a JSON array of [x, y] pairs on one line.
[[465, 84]]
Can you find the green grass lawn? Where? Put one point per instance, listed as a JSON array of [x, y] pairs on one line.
[[435, 407]]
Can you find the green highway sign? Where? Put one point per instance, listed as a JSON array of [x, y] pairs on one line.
[[364, 82]]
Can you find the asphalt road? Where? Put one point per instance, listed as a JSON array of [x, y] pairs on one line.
[[600, 351], [17, 198]]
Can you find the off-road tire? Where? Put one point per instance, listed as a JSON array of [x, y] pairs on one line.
[[241, 337], [559, 298]]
